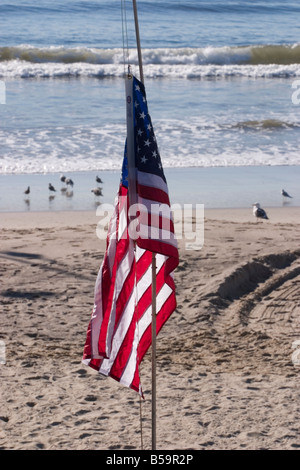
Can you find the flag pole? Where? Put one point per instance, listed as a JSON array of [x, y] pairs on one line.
[[139, 50], [138, 41], [153, 352]]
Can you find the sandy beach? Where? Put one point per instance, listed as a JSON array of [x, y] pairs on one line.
[[218, 109], [227, 373]]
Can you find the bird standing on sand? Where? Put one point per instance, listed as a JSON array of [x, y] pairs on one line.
[[285, 194], [27, 190], [258, 212], [98, 180], [51, 188], [97, 191]]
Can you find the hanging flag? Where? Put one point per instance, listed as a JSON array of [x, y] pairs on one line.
[[119, 332]]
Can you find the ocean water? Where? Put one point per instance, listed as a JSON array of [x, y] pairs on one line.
[[222, 81]]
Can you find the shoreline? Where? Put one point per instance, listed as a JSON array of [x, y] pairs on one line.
[[116, 170], [215, 187]]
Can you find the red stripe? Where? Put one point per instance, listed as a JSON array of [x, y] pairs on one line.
[[87, 347], [126, 347], [158, 246], [136, 379], [123, 355], [146, 299], [165, 312], [125, 293], [153, 194], [143, 264], [106, 283], [157, 221], [109, 287]]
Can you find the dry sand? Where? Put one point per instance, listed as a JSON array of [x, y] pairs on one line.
[[227, 376]]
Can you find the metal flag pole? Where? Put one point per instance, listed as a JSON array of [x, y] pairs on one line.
[[153, 351], [138, 42]]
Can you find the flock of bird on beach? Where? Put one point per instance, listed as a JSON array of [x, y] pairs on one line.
[[69, 182], [258, 212]]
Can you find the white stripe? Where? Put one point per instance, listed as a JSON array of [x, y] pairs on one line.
[[143, 284], [146, 279], [154, 181], [156, 208], [141, 287], [97, 316], [112, 246], [161, 298], [122, 223], [141, 326], [123, 271], [111, 249], [139, 252], [119, 335], [153, 233], [165, 234], [112, 236], [129, 371]]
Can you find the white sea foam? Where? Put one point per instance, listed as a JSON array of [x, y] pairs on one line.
[[20, 69], [181, 144], [189, 63]]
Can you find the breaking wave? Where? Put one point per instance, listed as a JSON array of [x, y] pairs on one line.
[[269, 61], [264, 124]]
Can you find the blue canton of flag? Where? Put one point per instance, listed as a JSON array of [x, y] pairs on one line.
[[147, 154]]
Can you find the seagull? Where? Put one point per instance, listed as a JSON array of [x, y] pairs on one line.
[[285, 194], [63, 178], [27, 190], [99, 180], [51, 188], [97, 191], [69, 181], [258, 212]]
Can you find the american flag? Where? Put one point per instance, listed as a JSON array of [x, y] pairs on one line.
[[119, 332]]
